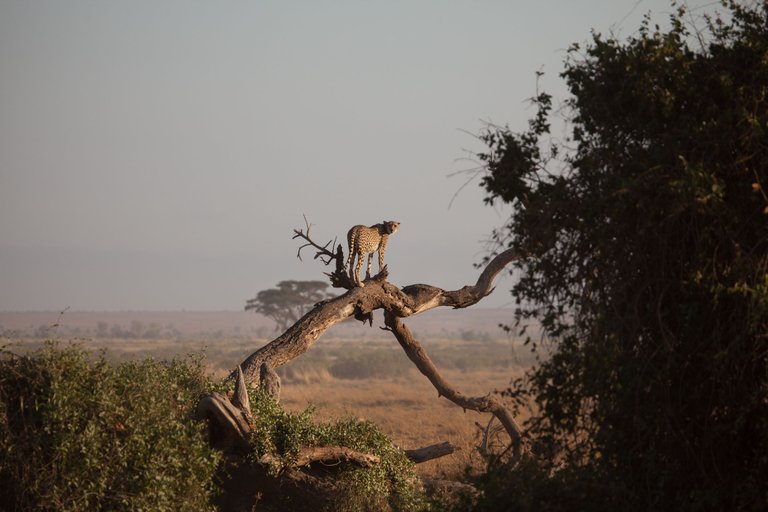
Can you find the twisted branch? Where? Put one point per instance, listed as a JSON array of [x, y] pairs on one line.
[[397, 303]]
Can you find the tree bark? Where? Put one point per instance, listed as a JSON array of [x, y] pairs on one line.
[[430, 452], [397, 303], [331, 455], [228, 426]]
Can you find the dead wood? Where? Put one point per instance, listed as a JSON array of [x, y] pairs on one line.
[[487, 403], [397, 303], [378, 293], [229, 422], [240, 397], [269, 381], [329, 456], [228, 426], [434, 451]]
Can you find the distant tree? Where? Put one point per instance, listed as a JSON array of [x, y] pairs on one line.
[[647, 243], [102, 329], [289, 301]]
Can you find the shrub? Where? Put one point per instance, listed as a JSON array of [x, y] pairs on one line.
[[390, 485], [80, 434]]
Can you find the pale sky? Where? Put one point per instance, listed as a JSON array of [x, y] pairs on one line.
[[157, 155]]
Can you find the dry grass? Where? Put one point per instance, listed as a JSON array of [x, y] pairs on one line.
[[408, 410]]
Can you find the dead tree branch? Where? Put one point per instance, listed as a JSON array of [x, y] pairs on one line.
[[339, 278], [396, 303], [487, 403], [328, 455], [322, 250], [419, 455]]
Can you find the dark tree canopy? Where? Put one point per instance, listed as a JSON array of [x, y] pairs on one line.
[[289, 301], [647, 233]]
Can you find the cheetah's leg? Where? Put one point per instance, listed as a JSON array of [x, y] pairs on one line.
[[351, 247], [382, 250], [351, 257], [370, 266], [360, 259]]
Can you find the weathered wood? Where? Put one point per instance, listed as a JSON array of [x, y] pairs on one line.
[[487, 403], [269, 381], [329, 455], [396, 303], [434, 451], [240, 397], [228, 426], [360, 303]]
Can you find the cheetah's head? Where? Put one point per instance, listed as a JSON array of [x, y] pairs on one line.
[[390, 226]]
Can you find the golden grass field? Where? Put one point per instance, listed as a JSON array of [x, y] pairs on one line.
[[408, 410]]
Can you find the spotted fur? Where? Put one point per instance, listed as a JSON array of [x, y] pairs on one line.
[[364, 240]]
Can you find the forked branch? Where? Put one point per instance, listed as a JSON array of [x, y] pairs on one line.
[[360, 302], [339, 278], [323, 253]]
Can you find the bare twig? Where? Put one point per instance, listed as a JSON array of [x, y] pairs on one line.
[[323, 253]]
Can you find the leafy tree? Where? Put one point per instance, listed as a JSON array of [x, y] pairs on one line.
[[647, 242], [289, 301]]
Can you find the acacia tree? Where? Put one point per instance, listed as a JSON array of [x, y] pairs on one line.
[[289, 301], [647, 237]]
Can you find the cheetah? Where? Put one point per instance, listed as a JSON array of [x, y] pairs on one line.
[[367, 240]]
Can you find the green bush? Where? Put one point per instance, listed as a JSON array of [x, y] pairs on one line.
[[390, 485], [79, 434]]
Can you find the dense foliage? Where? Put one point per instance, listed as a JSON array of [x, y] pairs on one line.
[[80, 434], [646, 237]]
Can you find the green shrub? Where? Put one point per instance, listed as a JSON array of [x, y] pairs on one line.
[[80, 434], [390, 485]]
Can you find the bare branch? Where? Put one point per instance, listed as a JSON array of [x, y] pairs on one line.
[[487, 403], [328, 455], [323, 253], [360, 302], [240, 397], [434, 451]]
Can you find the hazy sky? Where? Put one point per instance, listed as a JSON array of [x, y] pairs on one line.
[[158, 154]]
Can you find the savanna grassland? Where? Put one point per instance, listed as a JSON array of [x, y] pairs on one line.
[[353, 370]]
